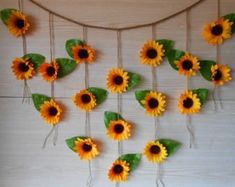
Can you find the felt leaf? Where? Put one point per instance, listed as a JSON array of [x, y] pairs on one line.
[[205, 68], [5, 14], [134, 80], [35, 58], [167, 45], [171, 145], [231, 18], [111, 116], [174, 55], [133, 159], [71, 43], [66, 66], [39, 99], [71, 141], [99, 93], [140, 95], [202, 93]]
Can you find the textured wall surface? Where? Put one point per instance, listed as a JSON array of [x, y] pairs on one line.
[[24, 164]]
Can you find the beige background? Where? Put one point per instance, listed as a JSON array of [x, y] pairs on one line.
[[24, 164]]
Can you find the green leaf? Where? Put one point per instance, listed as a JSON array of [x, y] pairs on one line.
[[71, 43], [71, 141], [99, 93], [167, 45], [202, 94], [231, 18], [5, 14], [133, 159], [111, 116], [66, 66], [205, 68], [140, 95], [134, 80], [36, 59], [39, 99], [174, 55], [171, 145]]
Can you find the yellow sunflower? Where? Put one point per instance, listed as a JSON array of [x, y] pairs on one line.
[[216, 32], [189, 103], [86, 149], [84, 100], [23, 69], [220, 74], [119, 171], [117, 80], [49, 71], [152, 53], [119, 130], [154, 103], [51, 112], [83, 53], [155, 152], [18, 23], [188, 65]]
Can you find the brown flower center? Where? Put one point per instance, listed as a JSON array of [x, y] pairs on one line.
[[217, 30], [53, 111], [118, 169], [86, 147], [50, 71], [217, 76], [153, 103], [19, 23], [118, 80], [155, 149], [23, 67], [187, 65], [188, 103], [118, 128], [83, 53], [86, 98], [151, 53]]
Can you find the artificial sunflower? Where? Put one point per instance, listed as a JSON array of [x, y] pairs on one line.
[[84, 100], [49, 71], [86, 148], [119, 130], [155, 152], [119, 171], [51, 112], [154, 103], [152, 53], [188, 65], [216, 32], [189, 103], [18, 23], [117, 80], [83, 53], [220, 74], [23, 69]]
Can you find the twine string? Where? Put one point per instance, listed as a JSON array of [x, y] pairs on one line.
[[47, 137]]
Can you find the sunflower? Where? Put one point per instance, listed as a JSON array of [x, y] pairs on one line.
[[119, 171], [84, 100], [216, 32], [51, 112], [152, 53], [49, 71], [154, 103], [86, 148], [83, 53], [119, 130], [188, 65], [189, 103], [117, 80], [155, 152], [18, 23], [23, 68], [220, 74]]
